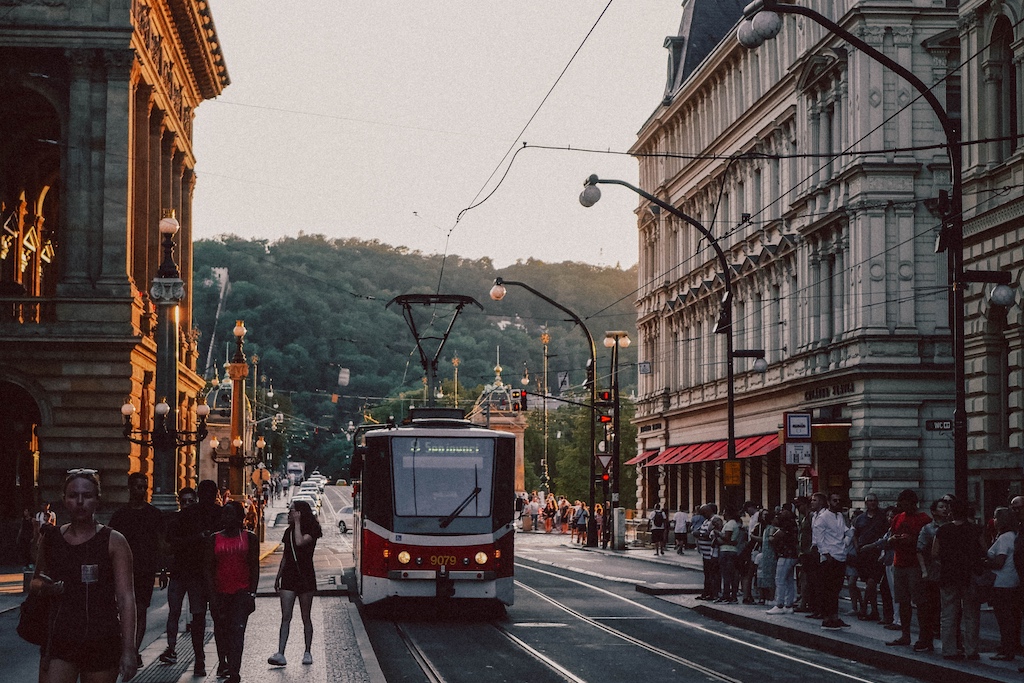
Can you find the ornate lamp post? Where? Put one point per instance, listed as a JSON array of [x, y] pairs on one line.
[[165, 438], [614, 340], [498, 293]]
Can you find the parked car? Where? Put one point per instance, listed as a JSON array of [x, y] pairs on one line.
[[344, 519], [280, 519], [313, 503]]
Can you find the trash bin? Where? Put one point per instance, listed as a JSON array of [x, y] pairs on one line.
[[527, 523]]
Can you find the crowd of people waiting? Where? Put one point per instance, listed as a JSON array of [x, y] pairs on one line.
[[555, 514], [799, 557], [100, 578]]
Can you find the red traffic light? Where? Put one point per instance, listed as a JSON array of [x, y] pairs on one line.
[[604, 419], [604, 395], [605, 477]]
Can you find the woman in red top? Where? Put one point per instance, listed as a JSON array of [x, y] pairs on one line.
[[232, 573]]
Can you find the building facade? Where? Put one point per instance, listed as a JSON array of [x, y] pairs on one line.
[[97, 100], [818, 172]]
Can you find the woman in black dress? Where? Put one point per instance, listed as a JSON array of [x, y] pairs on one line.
[[88, 566], [295, 578]]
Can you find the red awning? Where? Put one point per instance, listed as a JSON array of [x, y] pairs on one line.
[[639, 458], [746, 447]]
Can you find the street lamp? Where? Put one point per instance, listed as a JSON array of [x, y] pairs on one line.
[[166, 292], [614, 340], [498, 293], [590, 196], [761, 22]]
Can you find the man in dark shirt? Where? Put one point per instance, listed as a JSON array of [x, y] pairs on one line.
[[142, 525], [194, 525], [868, 529], [960, 553], [175, 586]]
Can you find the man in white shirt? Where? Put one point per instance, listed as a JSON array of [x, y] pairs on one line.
[[680, 521], [830, 534]]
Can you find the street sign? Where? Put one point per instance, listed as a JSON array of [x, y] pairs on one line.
[[604, 460], [644, 367], [798, 426], [563, 381], [938, 425], [798, 453], [731, 470]]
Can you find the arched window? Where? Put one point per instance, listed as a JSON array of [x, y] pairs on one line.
[[1001, 91]]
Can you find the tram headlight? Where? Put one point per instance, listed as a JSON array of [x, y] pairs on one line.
[[481, 557], [404, 557]]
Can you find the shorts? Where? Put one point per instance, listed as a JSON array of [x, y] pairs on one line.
[[144, 588], [869, 568], [101, 654], [296, 581], [657, 535], [906, 585]]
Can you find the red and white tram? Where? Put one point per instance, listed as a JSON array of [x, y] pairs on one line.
[[434, 506]]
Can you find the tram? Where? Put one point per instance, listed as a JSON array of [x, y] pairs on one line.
[[433, 510]]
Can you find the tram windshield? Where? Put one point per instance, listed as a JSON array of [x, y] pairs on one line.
[[434, 476]]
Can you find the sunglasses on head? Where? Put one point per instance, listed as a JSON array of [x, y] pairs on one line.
[[82, 470]]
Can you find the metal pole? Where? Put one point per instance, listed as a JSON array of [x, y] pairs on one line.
[[592, 382], [724, 325], [952, 230]]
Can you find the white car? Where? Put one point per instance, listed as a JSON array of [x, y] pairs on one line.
[[313, 504]]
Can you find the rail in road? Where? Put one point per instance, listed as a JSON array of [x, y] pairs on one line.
[[585, 628]]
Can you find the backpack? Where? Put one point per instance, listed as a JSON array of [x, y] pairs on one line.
[[658, 521]]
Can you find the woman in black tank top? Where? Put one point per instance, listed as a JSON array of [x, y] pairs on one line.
[[89, 567]]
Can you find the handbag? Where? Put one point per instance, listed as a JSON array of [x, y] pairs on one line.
[[36, 616]]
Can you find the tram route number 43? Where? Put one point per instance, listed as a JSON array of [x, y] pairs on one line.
[[938, 425]]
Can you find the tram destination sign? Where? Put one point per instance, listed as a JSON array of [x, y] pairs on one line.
[[938, 425]]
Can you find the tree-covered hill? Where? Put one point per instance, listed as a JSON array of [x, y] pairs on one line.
[[314, 305]]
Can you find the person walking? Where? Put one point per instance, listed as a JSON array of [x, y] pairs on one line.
[[680, 525], [830, 536], [195, 524], [143, 525], [659, 522], [232, 576], [959, 552], [906, 527], [296, 578], [88, 566], [176, 586]]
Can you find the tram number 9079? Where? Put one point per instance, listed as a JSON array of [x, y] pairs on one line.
[[438, 560]]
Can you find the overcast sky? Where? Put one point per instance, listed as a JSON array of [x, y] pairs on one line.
[[384, 119]]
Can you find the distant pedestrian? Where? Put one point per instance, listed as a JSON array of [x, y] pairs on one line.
[[868, 529], [680, 525], [732, 535], [232, 575], [582, 515], [296, 578], [807, 582], [177, 587], [26, 534], [659, 522], [1006, 590], [786, 543], [704, 536], [143, 525], [929, 610], [765, 559], [195, 525]]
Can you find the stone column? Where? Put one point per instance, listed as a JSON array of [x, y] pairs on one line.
[[76, 243], [140, 243], [993, 78], [116, 155], [155, 168]]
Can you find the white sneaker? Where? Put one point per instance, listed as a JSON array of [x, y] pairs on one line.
[[307, 658], [277, 659], [778, 610]]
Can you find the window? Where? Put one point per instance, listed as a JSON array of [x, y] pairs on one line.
[[1001, 90], [434, 476]]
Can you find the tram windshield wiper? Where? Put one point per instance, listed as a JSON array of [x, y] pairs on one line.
[[445, 521]]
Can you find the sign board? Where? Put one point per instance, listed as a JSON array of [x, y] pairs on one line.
[[344, 374], [798, 426], [604, 460], [563, 381], [731, 473], [798, 454], [644, 367], [938, 425]]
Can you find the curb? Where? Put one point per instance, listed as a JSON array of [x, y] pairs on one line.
[[891, 661], [370, 663]]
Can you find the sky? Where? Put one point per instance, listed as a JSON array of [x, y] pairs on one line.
[[385, 119]]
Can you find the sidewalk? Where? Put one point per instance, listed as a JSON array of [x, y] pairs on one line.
[[863, 641]]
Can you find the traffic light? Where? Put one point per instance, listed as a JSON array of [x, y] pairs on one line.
[[604, 399], [518, 400], [604, 418], [605, 477]]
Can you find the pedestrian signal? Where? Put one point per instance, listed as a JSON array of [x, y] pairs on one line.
[[518, 400], [604, 418]]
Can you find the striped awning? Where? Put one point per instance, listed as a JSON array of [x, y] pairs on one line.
[[746, 447], [641, 457]]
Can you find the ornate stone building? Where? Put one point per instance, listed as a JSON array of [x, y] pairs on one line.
[[817, 171], [97, 101]]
